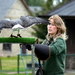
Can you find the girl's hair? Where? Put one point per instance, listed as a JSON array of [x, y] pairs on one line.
[[61, 28]]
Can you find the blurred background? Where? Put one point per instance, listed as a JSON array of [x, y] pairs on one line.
[[13, 9]]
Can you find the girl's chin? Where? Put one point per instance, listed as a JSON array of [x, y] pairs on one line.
[[50, 33]]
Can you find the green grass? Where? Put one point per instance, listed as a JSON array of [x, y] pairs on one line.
[[14, 74], [30, 74], [10, 63]]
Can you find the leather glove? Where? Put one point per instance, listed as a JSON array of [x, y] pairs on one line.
[[28, 46]]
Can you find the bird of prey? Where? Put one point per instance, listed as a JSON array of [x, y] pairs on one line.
[[24, 21]]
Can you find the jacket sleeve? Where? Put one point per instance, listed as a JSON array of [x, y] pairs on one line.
[[58, 46]]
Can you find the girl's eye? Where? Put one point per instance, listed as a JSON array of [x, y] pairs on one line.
[[51, 24]]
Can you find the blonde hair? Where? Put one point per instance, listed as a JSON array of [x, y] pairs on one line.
[[61, 28]]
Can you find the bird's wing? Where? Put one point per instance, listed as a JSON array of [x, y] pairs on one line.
[[16, 21], [24, 21], [9, 24], [29, 20], [5, 24]]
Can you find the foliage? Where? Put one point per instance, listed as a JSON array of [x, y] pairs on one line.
[[48, 5], [34, 2], [41, 31]]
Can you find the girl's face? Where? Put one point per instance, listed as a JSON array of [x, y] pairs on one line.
[[51, 28]]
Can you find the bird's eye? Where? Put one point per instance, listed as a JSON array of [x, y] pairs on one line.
[[49, 23]]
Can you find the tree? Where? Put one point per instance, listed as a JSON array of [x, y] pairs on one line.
[[34, 2], [40, 31], [48, 5]]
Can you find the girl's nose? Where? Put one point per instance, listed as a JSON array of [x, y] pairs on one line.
[[49, 25]]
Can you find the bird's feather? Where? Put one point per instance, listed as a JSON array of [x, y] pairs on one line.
[[5, 24], [29, 20], [17, 26], [24, 21]]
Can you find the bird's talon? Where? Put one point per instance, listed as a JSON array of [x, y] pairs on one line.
[[18, 35], [12, 36]]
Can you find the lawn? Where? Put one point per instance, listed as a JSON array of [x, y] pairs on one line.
[[9, 66], [14, 74], [30, 74], [10, 63]]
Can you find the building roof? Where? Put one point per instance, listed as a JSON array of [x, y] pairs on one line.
[[5, 6], [66, 10]]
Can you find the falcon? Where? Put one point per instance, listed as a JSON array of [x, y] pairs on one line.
[[23, 22]]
